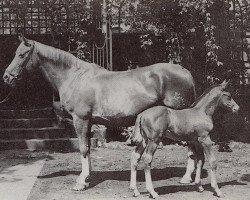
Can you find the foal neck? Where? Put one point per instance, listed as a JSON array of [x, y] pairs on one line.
[[209, 103]]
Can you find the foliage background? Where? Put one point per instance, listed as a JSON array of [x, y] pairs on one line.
[[202, 35]]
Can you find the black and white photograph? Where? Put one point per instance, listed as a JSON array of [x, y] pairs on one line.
[[124, 99]]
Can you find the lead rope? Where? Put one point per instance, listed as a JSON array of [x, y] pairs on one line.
[[12, 91], [7, 97]]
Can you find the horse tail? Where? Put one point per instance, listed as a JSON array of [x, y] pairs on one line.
[[137, 136]]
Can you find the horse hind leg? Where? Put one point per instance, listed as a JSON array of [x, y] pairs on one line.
[[151, 148], [82, 127], [135, 158]]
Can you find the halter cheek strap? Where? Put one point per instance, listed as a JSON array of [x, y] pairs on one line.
[[25, 63]]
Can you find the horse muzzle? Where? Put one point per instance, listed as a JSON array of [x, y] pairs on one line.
[[9, 79]]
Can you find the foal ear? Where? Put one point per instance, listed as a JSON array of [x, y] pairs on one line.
[[23, 39], [225, 84]]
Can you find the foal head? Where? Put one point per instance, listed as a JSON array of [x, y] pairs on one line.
[[216, 97], [225, 99], [22, 60]]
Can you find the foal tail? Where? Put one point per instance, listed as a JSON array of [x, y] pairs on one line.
[[137, 137]]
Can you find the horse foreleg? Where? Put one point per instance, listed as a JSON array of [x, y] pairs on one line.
[[207, 146], [190, 167], [135, 158], [82, 127], [151, 148]]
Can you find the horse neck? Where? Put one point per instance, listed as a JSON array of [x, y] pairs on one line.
[[208, 104], [55, 63]]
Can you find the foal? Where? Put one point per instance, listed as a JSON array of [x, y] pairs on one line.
[[192, 125]]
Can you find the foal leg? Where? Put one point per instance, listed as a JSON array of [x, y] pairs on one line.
[[151, 148], [135, 158], [190, 167], [207, 146], [82, 127], [200, 159]]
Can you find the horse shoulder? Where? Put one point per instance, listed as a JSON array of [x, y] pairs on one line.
[[77, 96]]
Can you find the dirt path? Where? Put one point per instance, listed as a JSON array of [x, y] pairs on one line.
[[111, 173]]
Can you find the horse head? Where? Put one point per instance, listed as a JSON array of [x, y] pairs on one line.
[[226, 101], [22, 60]]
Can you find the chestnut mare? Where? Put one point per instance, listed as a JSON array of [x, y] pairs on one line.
[[91, 93], [192, 125]]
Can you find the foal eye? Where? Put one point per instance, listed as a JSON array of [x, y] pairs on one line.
[[22, 55]]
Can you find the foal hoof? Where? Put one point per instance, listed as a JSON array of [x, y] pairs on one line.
[[219, 194], [81, 187], [135, 191]]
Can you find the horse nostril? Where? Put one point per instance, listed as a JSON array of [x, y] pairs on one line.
[[5, 77]]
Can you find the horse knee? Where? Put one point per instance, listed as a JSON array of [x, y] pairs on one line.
[[135, 157]]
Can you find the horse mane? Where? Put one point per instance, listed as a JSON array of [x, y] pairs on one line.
[[204, 94], [61, 57]]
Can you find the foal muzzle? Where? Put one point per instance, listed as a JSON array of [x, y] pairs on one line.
[[235, 109]]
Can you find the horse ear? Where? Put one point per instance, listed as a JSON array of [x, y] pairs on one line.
[[23, 39], [225, 84], [20, 37]]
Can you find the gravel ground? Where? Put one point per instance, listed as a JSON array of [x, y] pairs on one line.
[[111, 173]]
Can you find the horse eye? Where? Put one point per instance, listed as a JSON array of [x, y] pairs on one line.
[[23, 54]]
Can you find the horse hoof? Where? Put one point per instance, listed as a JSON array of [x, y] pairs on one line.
[[136, 194], [220, 195], [200, 189], [81, 187], [154, 195], [185, 181]]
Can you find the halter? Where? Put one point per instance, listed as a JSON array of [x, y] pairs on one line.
[[18, 76], [24, 64]]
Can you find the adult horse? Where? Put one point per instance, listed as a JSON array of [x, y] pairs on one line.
[[89, 92]]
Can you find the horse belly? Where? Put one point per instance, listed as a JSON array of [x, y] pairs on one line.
[[123, 100], [121, 106]]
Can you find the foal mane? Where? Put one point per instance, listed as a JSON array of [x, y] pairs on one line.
[[204, 94]]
